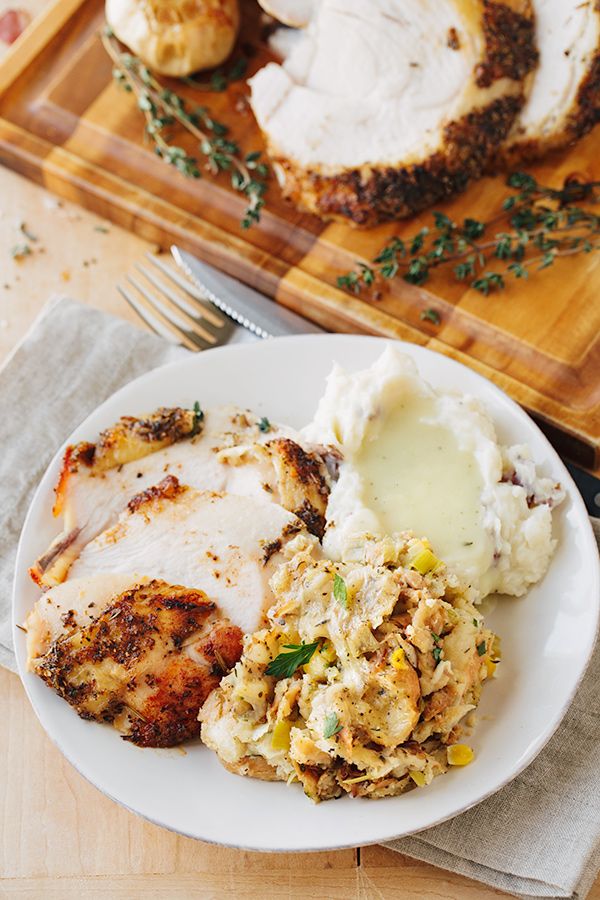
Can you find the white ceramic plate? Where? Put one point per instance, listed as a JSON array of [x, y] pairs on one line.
[[547, 636]]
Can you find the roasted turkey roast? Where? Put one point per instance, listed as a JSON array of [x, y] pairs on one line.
[[564, 102], [383, 107]]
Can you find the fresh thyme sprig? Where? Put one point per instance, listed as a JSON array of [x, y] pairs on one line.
[[164, 109], [220, 78], [542, 224]]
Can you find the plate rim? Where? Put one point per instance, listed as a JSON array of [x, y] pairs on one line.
[[412, 349]]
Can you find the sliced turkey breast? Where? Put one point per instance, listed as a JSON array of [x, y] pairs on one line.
[[73, 604], [564, 102], [228, 450], [225, 545], [145, 663], [386, 106]]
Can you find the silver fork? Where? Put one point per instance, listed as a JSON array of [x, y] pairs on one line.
[[161, 306]]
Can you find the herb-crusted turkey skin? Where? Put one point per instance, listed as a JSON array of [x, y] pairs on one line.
[[564, 103], [146, 663], [383, 108]]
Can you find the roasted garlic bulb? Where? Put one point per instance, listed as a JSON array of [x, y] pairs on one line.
[[176, 37]]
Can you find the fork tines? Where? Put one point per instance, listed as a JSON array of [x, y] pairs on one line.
[[174, 309]]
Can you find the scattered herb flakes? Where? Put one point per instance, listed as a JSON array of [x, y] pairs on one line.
[[264, 425], [535, 226], [350, 282], [431, 315], [198, 418], [481, 648], [340, 591], [102, 229], [27, 233], [332, 726], [285, 664], [220, 79], [475, 623], [437, 654], [20, 251]]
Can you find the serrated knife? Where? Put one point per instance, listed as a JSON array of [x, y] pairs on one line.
[[241, 303]]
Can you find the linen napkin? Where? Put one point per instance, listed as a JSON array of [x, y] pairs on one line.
[[538, 837]]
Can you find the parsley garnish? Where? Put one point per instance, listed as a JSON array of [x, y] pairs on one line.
[[198, 419], [475, 623], [437, 654], [285, 664], [332, 725], [340, 591], [534, 226], [264, 425], [481, 648]]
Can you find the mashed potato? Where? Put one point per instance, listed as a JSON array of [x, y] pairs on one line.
[[393, 661], [426, 461]]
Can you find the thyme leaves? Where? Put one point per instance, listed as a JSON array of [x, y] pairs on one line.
[[165, 112], [541, 225]]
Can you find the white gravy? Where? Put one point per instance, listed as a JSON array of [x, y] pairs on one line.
[[414, 476]]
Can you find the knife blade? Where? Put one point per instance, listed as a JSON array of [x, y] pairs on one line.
[[243, 304], [589, 488]]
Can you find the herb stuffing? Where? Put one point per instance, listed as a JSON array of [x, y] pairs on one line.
[[535, 226], [285, 664]]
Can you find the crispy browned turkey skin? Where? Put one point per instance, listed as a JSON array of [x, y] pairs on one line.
[[564, 102], [384, 107], [146, 664]]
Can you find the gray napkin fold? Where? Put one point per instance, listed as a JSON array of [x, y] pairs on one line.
[[538, 837]]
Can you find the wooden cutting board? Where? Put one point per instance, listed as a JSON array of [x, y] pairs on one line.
[[67, 125]]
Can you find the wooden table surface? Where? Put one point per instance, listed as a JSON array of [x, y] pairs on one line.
[[61, 838]]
